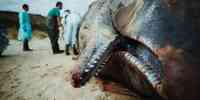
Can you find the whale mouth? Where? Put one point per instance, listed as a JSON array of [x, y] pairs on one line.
[[135, 58]]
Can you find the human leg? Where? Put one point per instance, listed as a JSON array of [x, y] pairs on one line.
[[54, 43], [74, 39], [67, 38], [26, 45]]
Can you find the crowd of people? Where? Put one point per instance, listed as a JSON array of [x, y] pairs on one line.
[[68, 21]]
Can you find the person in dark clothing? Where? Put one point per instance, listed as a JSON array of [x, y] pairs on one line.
[[54, 21]]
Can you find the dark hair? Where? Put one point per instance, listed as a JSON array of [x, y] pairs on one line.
[[24, 6], [58, 3], [67, 11]]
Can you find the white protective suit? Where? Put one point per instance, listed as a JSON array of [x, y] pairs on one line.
[[71, 24]]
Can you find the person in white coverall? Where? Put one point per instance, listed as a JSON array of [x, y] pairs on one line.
[[71, 22]]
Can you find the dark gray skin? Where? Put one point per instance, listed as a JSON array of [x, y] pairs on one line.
[[3, 39], [163, 34]]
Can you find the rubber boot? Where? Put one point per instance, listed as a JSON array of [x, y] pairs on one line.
[[67, 49], [26, 46], [75, 50], [55, 48]]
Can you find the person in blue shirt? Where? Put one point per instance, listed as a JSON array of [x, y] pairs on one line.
[[54, 21], [25, 29]]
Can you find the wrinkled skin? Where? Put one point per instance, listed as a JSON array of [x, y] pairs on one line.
[[3, 39], [119, 37]]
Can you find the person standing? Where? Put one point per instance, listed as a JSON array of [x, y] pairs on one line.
[[54, 21], [71, 26], [25, 29]]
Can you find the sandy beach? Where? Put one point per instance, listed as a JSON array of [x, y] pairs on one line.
[[40, 75]]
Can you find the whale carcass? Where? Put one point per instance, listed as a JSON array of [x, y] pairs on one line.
[[3, 38], [148, 47]]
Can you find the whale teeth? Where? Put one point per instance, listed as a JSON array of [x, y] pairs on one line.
[[104, 63], [94, 61], [104, 48], [137, 62], [132, 60], [91, 66], [96, 74], [101, 66], [99, 70], [97, 57], [127, 55], [101, 51], [86, 70], [81, 78]]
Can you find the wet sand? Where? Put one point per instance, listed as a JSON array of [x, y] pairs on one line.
[[40, 75]]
